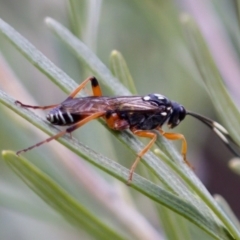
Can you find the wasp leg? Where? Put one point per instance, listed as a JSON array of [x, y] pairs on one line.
[[141, 133], [95, 87], [68, 130], [178, 136], [35, 107]]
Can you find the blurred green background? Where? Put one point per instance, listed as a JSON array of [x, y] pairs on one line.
[[150, 37]]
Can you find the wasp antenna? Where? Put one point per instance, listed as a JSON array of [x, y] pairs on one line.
[[221, 132]]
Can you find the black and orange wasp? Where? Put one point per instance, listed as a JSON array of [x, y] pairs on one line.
[[140, 114]]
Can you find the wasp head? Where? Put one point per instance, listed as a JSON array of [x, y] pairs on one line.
[[178, 114]]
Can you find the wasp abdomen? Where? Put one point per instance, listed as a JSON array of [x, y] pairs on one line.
[[62, 118]]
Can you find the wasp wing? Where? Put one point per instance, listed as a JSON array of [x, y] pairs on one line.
[[133, 104], [90, 105]]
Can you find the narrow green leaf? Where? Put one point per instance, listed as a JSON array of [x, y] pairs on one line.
[[58, 198], [120, 70], [74, 16], [37, 58], [227, 210], [170, 221], [88, 57]]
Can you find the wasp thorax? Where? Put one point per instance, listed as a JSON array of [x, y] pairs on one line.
[[156, 99]]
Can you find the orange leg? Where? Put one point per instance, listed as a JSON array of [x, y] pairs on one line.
[[68, 130], [95, 87], [141, 133], [177, 136]]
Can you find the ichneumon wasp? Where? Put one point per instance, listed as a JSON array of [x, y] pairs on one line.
[[140, 114]]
